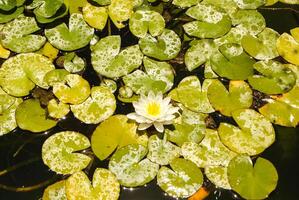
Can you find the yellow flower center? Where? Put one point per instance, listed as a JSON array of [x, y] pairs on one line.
[[153, 109]]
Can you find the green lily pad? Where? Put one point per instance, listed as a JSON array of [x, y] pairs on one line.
[[199, 53], [102, 2], [182, 181], [185, 3], [226, 101], [209, 152], [262, 47], [75, 6], [55, 76], [108, 60], [4, 18], [111, 84], [252, 182], [74, 89], [143, 21], [129, 168], [165, 47], [73, 63], [58, 152], [232, 62], [57, 110], [120, 11], [45, 8], [158, 77], [32, 117], [115, 132], [95, 16], [249, 4], [104, 186], [18, 37], [288, 46], [255, 134], [228, 5], [208, 72], [99, 106], [218, 176], [274, 77], [211, 21], [235, 36], [55, 191], [76, 36], [162, 152], [194, 96], [7, 5]]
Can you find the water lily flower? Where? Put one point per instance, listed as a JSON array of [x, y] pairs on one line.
[[153, 110]]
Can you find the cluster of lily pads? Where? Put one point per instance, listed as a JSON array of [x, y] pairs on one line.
[[228, 38]]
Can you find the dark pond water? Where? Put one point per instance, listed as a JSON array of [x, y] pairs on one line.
[[21, 147]]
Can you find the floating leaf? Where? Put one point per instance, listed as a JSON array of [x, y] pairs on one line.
[[75, 6], [4, 53], [226, 101], [232, 62], [255, 134], [211, 21], [182, 181], [55, 76], [120, 11], [18, 37], [235, 36], [57, 110], [185, 3], [95, 16], [129, 168], [115, 132], [158, 77], [104, 186], [108, 60], [4, 18], [102, 2], [73, 63], [49, 51], [218, 176], [55, 191], [143, 21], [209, 152], [98, 107], [58, 152], [45, 8], [32, 117], [274, 77], [249, 4], [165, 47], [252, 182], [76, 36], [262, 47], [74, 89]]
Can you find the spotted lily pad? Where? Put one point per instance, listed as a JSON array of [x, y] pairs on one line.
[[74, 89], [99, 106], [158, 77], [55, 191], [165, 47], [232, 62], [143, 21], [218, 176], [252, 182], [250, 4], [120, 11], [182, 180], [73, 63], [209, 152], [4, 18], [162, 152], [115, 132], [211, 21], [129, 168], [58, 152], [274, 77], [108, 60], [95, 16], [262, 47], [255, 134], [18, 37], [76, 36], [57, 110], [75, 6], [288, 46], [185, 3], [226, 101], [102, 2], [55, 76], [32, 117], [104, 186]]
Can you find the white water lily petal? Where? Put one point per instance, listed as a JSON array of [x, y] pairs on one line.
[[159, 127]]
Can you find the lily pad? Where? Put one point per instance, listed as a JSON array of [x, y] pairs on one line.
[[102, 2], [55, 191], [32, 117], [274, 77], [129, 168], [255, 134], [143, 21], [226, 101], [252, 182], [232, 62], [108, 60], [262, 47], [18, 37], [58, 152], [218, 176], [95, 16], [104, 186], [75, 6], [209, 152], [185, 3], [249, 4], [182, 181], [45, 8], [76, 36], [99, 106], [73, 63], [74, 89], [211, 21], [158, 77], [165, 47], [115, 132], [55, 76], [57, 110], [235, 36], [288, 46], [4, 18], [120, 11]]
